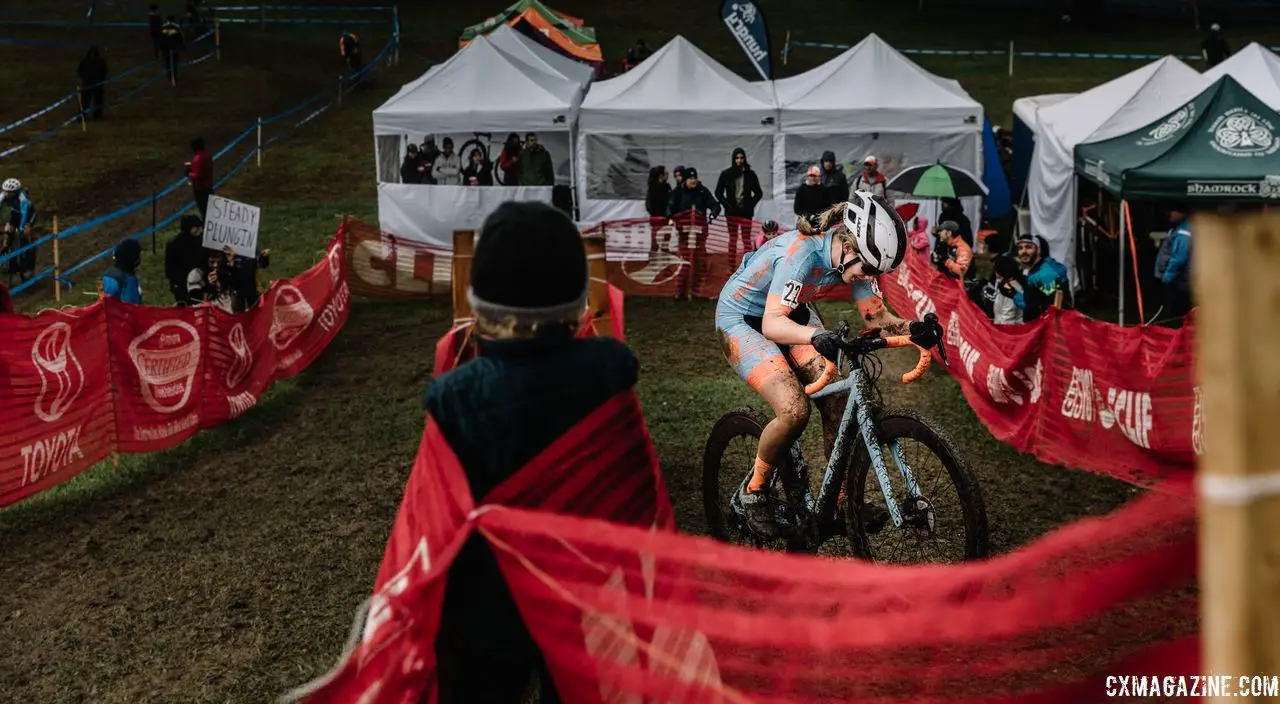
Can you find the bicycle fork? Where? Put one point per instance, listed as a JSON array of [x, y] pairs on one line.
[[872, 441]]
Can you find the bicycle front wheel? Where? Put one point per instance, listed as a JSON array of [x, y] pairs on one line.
[[951, 523]]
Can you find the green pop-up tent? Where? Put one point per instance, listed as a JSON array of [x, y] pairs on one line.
[[1222, 146], [563, 31]]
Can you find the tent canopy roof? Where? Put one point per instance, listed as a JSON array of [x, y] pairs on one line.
[[1255, 67], [1121, 104], [1027, 109], [679, 89], [521, 48], [555, 18], [480, 89], [874, 87], [1220, 145]]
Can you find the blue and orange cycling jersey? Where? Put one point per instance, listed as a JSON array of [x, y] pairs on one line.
[[788, 271]]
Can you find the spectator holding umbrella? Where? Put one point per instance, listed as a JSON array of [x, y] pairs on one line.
[[948, 184]]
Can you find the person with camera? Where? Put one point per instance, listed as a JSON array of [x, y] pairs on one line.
[[951, 255], [216, 280]]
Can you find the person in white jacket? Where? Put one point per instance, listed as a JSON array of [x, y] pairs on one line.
[[447, 168]]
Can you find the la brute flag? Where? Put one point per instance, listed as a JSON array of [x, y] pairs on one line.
[[746, 23]]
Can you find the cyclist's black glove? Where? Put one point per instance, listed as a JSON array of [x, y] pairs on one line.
[[827, 344], [924, 334]]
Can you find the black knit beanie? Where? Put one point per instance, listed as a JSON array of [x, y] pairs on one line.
[[529, 264], [128, 254]]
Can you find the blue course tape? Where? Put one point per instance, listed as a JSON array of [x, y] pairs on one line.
[[71, 120], [306, 8], [76, 229], [77, 46], [281, 20]]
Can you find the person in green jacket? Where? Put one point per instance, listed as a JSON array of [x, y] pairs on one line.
[[534, 168]]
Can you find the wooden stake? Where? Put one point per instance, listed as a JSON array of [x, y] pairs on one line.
[[464, 246], [1239, 477], [598, 289], [80, 103], [217, 38], [259, 150], [115, 461], [57, 261]]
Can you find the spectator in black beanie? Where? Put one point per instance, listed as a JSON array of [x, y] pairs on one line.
[[184, 253], [531, 382]]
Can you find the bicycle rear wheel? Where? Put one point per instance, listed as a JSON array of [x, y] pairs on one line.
[[729, 455], [955, 524]]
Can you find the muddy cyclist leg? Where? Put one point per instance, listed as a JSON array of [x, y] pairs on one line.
[[762, 365]]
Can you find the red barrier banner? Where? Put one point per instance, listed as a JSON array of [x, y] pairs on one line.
[[79, 384], [1068, 389], [627, 610]]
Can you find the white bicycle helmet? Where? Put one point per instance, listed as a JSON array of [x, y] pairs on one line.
[[878, 229], [11, 185]]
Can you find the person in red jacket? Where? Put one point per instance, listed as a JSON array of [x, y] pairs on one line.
[[200, 174]]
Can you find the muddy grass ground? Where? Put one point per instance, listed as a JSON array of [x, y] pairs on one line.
[[228, 569]]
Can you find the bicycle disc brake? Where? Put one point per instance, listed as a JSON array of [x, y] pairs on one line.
[[918, 515]]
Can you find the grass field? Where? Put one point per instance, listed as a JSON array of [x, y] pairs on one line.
[[228, 569]]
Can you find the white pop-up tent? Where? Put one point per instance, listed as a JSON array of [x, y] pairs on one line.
[[872, 100], [678, 107], [1255, 67], [1114, 108], [521, 48], [474, 99], [1026, 110]]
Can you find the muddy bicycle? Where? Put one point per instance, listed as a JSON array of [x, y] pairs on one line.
[[948, 513]]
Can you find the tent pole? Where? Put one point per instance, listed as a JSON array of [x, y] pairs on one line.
[[1123, 205]]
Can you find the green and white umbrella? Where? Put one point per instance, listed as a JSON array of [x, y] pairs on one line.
[[937, 181]]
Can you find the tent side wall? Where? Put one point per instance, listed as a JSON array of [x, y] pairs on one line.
[[796, 152]]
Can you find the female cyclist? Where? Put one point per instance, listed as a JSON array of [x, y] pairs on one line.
[[764, 309]]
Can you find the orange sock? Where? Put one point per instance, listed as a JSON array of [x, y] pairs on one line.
[[760, 478]]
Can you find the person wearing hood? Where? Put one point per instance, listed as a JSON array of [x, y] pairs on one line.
[[532, 381], [184, 253], [677, 174], [918, 237], [411, 170], [121, 279], [93, 74], [811, 197], [428, 154], [738, 190], [953, 210], [692, 195], [834, 182]]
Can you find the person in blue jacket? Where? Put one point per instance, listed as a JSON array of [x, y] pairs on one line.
[[121, 280], [1043, 272], [17, 226], [1173, 266]]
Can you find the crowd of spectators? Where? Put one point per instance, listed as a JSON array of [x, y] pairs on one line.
[[526, 163]]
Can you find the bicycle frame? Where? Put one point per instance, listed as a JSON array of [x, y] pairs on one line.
[[855, 408]]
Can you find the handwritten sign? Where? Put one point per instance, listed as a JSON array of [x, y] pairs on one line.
[[231, 224]]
